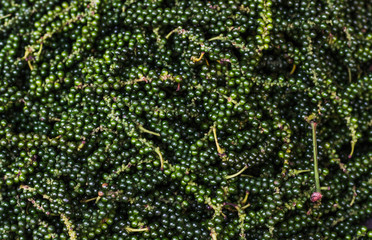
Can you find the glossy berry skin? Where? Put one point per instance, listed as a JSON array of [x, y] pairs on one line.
[[185, 119]]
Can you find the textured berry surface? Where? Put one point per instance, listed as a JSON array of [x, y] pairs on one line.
[[185, 119]]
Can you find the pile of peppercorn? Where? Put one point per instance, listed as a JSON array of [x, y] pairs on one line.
[[180, 119]]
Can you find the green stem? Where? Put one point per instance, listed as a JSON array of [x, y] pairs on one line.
[[2, 17], [129, 229], [245, 206], [293, 69], [220, 150], [171, 32], [213, 234], [89, 200], [157, 150], [316, 172], [68, 224], [236, 174], [301, 171], [142, 129], [245, 198], [220, 37], [352, 147]]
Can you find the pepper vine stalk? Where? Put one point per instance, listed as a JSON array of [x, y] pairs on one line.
[[130, 230], [220, 151], [213, 234], [238, 173], [317, 194], [293, 69], [157, 150]]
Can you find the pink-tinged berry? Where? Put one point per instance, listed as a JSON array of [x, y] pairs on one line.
[[316, 196]]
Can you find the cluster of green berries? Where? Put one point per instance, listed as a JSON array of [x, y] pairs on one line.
[[178, 120]]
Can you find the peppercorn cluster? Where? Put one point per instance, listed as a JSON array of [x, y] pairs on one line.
[[229, 119]]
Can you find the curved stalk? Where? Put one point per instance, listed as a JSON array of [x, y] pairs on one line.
[[236, 174], [315, 152]]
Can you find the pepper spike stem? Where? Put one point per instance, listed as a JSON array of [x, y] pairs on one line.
[[245, 198], [81, 145], [297, 172], [354, 196], [171, 32], [157, 150], [315, 149], [130, 230], [302, 171], [68, 224], [213, 234], [238, 173], [142, 129], [89, 200], [30, 65], [194, 59], [206, 61], [353, 142], [5, 16], [293, 69], [39, 52], [349, 73], [245, 206], [220, 150], [220, 37], [27, 52]]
